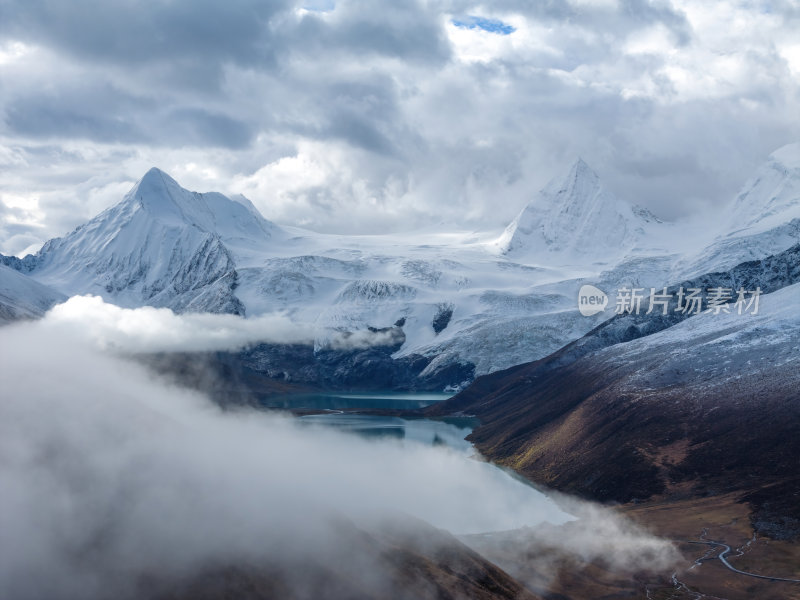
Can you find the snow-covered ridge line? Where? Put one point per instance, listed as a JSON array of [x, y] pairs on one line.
[[507, 301], [577, 218]]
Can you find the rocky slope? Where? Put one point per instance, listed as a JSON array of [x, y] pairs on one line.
[[662, 406]]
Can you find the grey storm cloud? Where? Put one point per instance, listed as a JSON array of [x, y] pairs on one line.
[[78, 117], [211, 33], [132, 32], [73, 112], [344, 116], [406, 30], [165, 53], [199, 126]]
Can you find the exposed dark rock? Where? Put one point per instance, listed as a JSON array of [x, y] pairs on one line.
[[23, 265], [442, 318], [372, 368], [776, 510], [223, 376]]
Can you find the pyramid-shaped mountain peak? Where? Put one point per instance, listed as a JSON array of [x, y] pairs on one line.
[[161, 245], [574, 216], [161, 198], [579, 178], [155, 180]]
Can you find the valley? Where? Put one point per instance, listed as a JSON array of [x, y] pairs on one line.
[[420, 300], [664, 441]]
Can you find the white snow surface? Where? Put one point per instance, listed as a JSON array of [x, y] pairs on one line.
[[162, 246], [576, 218], [24, 298], [711, 349], [763, 219], [513, 299]]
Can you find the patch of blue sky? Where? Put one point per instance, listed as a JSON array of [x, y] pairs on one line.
[[490, 25]]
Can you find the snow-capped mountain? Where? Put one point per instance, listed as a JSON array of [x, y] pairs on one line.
[[772, 197], [23, 298], [763, 219], [161, 246], [467, 304], [575, 219]]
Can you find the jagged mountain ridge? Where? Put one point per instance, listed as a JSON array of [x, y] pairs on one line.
[[575, 216], [161, 246], [770, 275], [166, 246]]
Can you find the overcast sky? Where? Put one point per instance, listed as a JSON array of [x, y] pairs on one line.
[[357, 117]]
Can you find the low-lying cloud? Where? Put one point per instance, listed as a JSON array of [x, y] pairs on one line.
[[598, 535], [109, 474], [150, 330]]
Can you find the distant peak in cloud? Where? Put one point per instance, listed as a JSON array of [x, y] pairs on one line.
[[490, 25], [578, 174], [155, 174], [788, 155], [581, 167], [576, 217]]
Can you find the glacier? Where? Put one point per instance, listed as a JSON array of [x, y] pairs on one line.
[[467, 303]]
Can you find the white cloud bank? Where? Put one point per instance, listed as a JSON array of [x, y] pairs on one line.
[[108, 473], [149, 330]]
